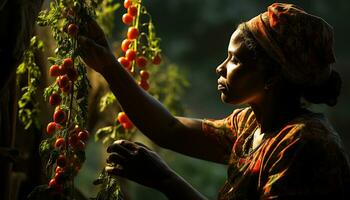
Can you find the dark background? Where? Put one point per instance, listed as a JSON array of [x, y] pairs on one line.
[[195, 36]]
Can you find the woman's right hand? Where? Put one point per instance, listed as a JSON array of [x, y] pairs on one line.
[[138, 163], [94, 48]]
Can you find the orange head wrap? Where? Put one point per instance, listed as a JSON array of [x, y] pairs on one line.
[[301, 43]]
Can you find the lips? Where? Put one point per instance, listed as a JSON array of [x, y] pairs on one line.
[[221, 86]]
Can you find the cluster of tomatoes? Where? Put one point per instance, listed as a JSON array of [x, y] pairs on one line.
[[67, 164], [131, 44], [68, 145]]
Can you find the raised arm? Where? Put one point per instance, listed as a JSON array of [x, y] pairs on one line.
[[183, 135]]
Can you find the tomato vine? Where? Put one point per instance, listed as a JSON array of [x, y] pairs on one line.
[[66, 135]]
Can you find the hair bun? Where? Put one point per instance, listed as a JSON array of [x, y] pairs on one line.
[[327, 92]]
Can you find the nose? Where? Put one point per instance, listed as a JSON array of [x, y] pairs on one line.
[[221, 69]]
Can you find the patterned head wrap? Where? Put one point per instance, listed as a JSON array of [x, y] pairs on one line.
[[301, 43]]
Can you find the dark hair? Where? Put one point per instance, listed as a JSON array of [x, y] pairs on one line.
[[326, 93]]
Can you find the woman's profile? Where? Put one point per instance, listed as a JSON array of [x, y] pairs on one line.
[[275, 148]]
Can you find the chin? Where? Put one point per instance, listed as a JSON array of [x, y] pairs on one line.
[[227, 99], [231, 100]]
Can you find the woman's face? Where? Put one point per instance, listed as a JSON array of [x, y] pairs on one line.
[[241, 78]]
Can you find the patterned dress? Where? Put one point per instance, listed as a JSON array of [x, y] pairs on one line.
[[303, 160]]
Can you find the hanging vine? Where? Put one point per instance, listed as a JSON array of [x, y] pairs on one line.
[[28, 70], [66, 136]]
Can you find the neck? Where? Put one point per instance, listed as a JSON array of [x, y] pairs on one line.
[[273, 111]]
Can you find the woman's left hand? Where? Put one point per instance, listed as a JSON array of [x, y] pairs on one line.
[[138, 163]]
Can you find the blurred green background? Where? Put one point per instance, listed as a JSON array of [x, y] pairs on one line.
[[195, 35]]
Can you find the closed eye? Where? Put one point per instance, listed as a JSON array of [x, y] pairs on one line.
[[232, 58]]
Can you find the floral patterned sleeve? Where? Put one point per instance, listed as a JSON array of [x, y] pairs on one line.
[[223, 131]]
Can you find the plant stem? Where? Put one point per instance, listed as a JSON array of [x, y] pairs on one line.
[[136, 40]]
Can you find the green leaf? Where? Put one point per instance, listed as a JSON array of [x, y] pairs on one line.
[[44, 148], [21, 69], [106, 100], [103, 132]]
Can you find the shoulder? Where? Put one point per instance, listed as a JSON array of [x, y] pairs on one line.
[[308, 151], [311, 138], [311, 128]]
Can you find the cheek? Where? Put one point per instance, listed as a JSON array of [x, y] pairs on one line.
[[244, 82]]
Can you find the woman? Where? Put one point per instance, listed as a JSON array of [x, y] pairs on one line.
[[274, 148]]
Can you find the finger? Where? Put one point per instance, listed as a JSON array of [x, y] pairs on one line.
[[116, 170], [116, 159], [131, 146], [143, 145], [118, 148]]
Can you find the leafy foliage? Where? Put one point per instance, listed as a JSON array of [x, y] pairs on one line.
[[105, 16], [28, 108], [110, 187], [168, 85]]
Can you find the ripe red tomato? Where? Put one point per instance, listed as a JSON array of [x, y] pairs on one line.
[[141, 62], [122, 117], [59, 169], [63, 81], [55, 99], [144, 84], [66, 65], [61, 161], [127, 3], [73, 29], [59, 142], [127, 125], [144, 75], [66, 89], [59, 177], [75, 130], [83, 135], [55, 70], [52, 183], [59, 116], [124, 62], [130, 54], [68, 62], [72, 74], [125, 45], [124, 120], [127, 19], [51, 127], [132, 10], [133, 33], [157, 59]]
